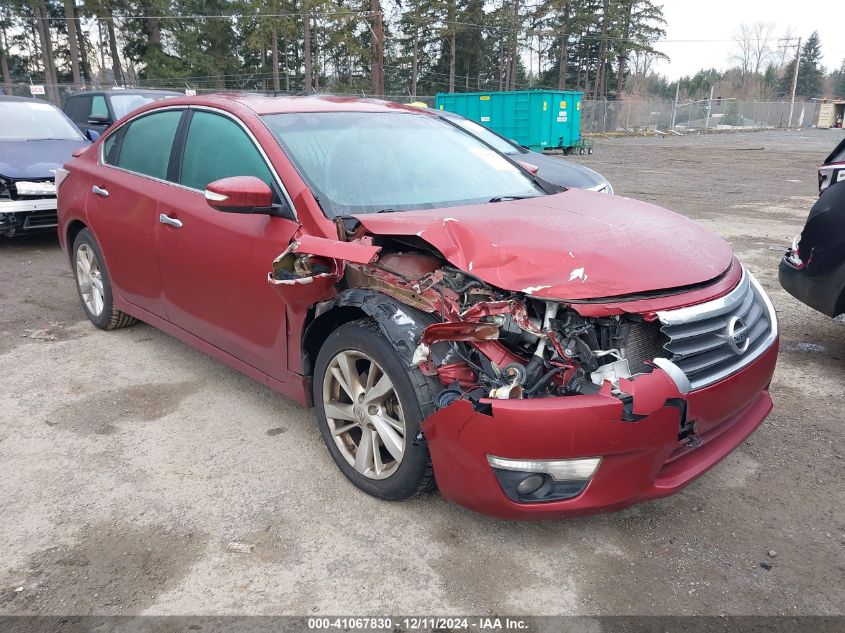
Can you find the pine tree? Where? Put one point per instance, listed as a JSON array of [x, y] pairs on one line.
[[810, 71]]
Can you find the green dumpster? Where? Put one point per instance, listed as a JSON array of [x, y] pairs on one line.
[[537, 119]]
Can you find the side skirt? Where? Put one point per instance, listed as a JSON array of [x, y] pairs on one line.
[[297, 388]]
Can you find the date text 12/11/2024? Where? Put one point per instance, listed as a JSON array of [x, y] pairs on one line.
[[421, 623]]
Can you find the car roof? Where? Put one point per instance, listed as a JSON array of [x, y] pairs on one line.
[[126, 91], [261, 104], [29, 99]]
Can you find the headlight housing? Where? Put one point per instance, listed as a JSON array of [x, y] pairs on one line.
[[41, 188]]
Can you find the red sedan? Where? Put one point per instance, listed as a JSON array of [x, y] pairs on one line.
[[454, 320]]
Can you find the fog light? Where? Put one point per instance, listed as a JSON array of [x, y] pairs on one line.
[[532, 481], [530, 484]]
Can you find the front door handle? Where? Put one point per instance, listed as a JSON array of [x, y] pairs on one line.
[[166, 219], [100, 191]]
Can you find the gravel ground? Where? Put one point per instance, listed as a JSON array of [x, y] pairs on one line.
[[139, 476]]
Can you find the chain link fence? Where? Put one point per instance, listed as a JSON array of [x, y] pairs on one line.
[[657, 115], [628, 116]]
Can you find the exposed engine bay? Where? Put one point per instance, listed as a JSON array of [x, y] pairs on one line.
[[481, 342], [506, 345]]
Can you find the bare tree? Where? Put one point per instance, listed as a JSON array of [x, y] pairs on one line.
[[753, 47], [761, 45], [742, 52]]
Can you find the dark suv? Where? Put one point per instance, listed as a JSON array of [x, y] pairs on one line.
[[97, 109], [813, 269]]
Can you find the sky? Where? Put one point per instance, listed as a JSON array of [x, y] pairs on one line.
[[719, 20]]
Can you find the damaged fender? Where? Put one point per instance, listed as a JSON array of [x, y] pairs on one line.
[[400, 323]]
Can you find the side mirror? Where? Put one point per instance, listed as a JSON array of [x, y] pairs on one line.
[[98, 119], [239, 194], [92, 135], [531, 169]]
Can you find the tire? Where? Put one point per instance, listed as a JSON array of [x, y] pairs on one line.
[[94, 286], [357, 346]]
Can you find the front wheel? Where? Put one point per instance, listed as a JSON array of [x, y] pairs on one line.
[[369, 410]]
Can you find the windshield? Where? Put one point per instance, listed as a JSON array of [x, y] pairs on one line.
[[124, 104], [29, 121], [495, 141], [365, 162]]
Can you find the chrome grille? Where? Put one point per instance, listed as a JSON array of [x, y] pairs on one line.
[[700, 336]]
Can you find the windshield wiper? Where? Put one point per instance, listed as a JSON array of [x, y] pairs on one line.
[[388, 210], [504, 198]]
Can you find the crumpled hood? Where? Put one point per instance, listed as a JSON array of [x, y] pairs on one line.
[[35, 159], [572, 245]]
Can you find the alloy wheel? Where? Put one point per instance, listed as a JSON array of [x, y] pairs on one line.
[[364, 414], [90, 279]]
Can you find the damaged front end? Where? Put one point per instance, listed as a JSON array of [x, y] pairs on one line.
[[541, 400]]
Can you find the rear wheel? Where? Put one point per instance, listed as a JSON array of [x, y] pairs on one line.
[[94, 286], [369, 410]]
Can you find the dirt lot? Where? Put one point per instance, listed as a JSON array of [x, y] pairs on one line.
[[129, 462]]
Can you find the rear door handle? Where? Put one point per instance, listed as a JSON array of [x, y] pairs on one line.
[[100, 191], [166, 219]]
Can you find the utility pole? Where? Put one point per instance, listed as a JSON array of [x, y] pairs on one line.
[[675, 103], [794, 82], [709, 108]]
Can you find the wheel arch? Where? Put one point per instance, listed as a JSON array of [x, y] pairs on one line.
[[401, 324], [73, 229]]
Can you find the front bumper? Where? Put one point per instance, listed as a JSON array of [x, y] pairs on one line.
[[641, 460], [819, 292], [27, 216]]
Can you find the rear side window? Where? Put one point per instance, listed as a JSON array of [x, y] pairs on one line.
[[217, 147], [78, 108], [145, 144], [99, 107]]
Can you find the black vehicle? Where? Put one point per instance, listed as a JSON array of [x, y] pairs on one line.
[[551, 168], [36, 138], [97, 109], [832, 170], [813, 269]]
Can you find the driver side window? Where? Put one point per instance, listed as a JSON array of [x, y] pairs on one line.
[[216, 147]]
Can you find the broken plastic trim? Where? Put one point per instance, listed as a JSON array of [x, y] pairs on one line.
[[460, 331], [675, 373]]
